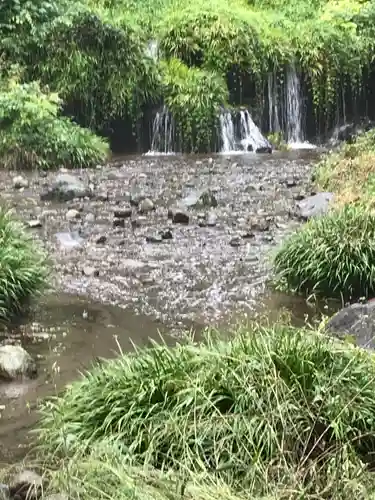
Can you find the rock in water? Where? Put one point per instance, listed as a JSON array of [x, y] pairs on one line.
[[355, 322], [146, 206], [66, 187], [4, 492], [15, 363], [314, 205], [27, 485], [200, 199], [20, 182]]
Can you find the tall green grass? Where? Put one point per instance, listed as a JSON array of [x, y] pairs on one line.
[[23, 268], [330, 256], [269, 409]]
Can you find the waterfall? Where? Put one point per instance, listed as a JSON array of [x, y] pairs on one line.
[[153, 50], [273, 104], [227, 131], [239, 133], [293, 107], [162, 133]]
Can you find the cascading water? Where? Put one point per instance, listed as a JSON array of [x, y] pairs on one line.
[[293, 107], [227, 132], [293, 111], [239, 133], [162, 133], [273, 104]]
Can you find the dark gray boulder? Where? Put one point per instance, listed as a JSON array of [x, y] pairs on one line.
[[356, 321], [66, 187], [315, 205]]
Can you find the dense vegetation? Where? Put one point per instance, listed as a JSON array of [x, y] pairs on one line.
[[271, 413], [23, 268], [96, 55]]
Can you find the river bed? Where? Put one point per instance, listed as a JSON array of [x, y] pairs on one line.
[[117, 283]]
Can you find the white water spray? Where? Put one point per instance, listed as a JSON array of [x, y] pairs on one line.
[[242, 138], [162, 133]]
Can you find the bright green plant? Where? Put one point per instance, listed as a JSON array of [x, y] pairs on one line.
[[255, 412], [194, 98], [23, 268], [330, 256], [32, 134]]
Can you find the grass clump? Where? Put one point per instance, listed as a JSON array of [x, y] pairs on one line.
[[272, 409], [33, 134], [330, 256], [23, 268]]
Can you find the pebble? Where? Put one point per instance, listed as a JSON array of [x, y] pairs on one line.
[[72, 214], [20, 182]]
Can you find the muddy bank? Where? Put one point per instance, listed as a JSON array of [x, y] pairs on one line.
[[111, 249]]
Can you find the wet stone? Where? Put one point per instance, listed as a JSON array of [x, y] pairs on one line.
[[34, 224], [101, 240], [27, 485], [235, 242], [315, 205], [123, 213], [4, 492], [146, 206], [118, 222], [16, 363], [178, 216], [90, 271], [166, 234], [155, 238], [66, 187], [72, 214], [20, 182]]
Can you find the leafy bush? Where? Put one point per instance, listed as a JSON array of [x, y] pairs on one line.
[[194, 98], [330, 256], [23, 267], [256, 412], [97, 63], [33, 134]]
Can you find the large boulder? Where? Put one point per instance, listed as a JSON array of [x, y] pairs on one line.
[[318, 204], [66, 187], [16, 363], [357, 322]]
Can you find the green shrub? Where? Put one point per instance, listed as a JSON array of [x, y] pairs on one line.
[[97, 62], [32, 134], [248, 411], [23, 267], [194, 98], [330, 256]]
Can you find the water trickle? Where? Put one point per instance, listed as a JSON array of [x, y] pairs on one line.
[[239, 133], [162, 133], [293, 107], [273, 104], [153, 50], [227, 132]]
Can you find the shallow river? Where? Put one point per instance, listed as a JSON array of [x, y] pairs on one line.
[[120, 283]]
